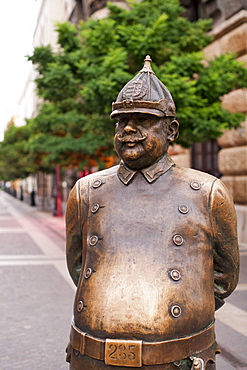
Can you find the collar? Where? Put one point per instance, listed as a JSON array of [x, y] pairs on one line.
[[151, 173]]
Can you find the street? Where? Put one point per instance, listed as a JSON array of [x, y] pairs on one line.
[[37, 294]]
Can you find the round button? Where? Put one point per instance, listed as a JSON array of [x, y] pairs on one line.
[[195, 185], [175, 275], [178, 240], [183, 209], [97, 183], [93, 240], [95, 208], [88, 273], [176, 311], [80, 306]]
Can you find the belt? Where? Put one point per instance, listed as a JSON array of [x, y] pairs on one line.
[[136, 353]]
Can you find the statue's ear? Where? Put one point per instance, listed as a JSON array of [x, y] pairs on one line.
[[173, 130]]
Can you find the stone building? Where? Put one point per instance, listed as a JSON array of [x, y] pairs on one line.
[[230, 35], [48, 13], [226, 157]]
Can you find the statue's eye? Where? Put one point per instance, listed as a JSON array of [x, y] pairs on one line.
[[145, 121], [122, 122]]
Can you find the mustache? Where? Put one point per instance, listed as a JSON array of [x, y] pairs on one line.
[[130, 138]]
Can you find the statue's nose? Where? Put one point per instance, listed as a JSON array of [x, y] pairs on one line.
[[129, 128]]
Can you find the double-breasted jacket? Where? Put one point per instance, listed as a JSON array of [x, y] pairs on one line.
[[153, 253]]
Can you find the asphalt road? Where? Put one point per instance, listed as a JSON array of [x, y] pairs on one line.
[[37, 295]]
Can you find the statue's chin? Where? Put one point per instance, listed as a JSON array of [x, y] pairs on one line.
[[138, 157], [132, 156], [136, 162]]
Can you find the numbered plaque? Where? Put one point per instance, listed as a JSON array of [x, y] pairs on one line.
[[123, 352]]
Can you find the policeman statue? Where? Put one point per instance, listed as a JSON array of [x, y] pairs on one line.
[[151, 247]]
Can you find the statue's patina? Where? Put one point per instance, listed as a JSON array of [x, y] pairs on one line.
[[151, 247]]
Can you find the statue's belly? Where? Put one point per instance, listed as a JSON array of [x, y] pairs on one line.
[[132, 291], [150, 268]]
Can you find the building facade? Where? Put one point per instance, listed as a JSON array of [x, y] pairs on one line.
[[48, 13], [230, 35], [41, 189]]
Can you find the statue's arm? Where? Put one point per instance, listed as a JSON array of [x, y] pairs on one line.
[[225, 243], [74, 233]]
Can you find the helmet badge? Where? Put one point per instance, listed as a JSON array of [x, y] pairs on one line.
[[135, 91]]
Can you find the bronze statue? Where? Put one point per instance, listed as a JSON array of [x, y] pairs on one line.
[[151, 247]]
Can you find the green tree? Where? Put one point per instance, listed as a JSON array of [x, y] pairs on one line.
[[14, 155], [79, 82]]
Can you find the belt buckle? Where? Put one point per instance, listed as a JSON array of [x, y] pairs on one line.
[[123, 352]]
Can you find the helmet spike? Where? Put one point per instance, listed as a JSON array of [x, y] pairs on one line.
[[147, 65]]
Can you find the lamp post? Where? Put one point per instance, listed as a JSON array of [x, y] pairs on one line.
[[58, 195]]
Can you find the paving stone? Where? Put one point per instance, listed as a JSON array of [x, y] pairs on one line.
[[4, 212], [239, 299], [9, 223], [232, 342], [243, 270], [18, 243], [222, 364], [35, 313]]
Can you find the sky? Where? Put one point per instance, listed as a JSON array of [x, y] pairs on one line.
[[17, 22]]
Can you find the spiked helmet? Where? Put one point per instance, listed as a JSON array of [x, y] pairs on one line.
[[145, 93]]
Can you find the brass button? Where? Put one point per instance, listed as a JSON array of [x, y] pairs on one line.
[[97, 183], [93, 240], [80, 306], [176, 311], [178, 240], [88, 273], [95, 208], [183, 209], [175, 275], [195, 185]]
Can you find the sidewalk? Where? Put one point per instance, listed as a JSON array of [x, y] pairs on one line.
[[36, 291]]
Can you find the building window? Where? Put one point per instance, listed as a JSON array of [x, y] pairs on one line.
[[193, 9], [204, 157]]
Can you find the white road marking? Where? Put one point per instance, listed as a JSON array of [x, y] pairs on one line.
[[47, 246], [243, 246], [241, 287], [62, 268], [27, 263], [234, 317], [28, 257], [53, 255], [11, 230]]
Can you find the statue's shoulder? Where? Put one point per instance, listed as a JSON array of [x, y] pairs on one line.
[[97, 176], [191, 176]]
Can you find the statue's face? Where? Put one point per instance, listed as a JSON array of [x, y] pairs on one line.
[[141, 139]]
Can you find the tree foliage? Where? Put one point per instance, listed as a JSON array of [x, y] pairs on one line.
[[14, 155], [79, 82]]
